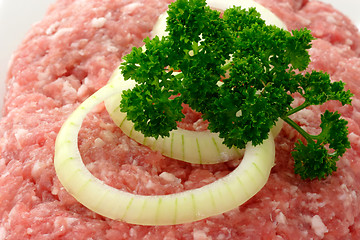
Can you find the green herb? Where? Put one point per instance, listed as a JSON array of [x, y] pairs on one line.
[[262, 68]]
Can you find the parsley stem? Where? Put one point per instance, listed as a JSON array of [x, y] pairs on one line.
[[227, 66], [298, 128], [298, 108]]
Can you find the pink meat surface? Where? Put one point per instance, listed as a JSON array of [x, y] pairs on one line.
[[72, 52]]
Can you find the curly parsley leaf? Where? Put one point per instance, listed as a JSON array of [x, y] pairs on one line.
[[261, 68], [314, 159]]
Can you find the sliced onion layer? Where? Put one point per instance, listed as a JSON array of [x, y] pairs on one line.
[[218, 197]]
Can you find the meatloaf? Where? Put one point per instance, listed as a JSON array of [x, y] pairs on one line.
[[73, 51]]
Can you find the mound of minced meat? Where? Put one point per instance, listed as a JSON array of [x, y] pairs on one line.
[[73, 51]]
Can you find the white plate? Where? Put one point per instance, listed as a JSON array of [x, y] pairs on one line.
[[16, 19]]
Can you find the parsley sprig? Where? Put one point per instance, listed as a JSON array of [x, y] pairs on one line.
[[261, 67]]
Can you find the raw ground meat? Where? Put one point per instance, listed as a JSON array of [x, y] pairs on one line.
[[72, 52]]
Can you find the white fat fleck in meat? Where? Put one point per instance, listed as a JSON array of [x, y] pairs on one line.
[[99, 143], [98, 22], [37, 169], [313, 196], [331, 19], [82, 91], [108, 15], [318, 226], [200, 235], [55, 191], [356, 104], [130, 8], [107, 136], [2, 233], [169, 177], [150, 185], [86, 81], [112, 49], [107, 126], [29, 231], [60, 32], [347, 198], [293, 190], [79, 45], [132, 232], [52, 29], [221, 236], [349, 42], [63, 223], [280, 218], [356, 116], [43, 76], [198, 125], [20, 136], [233, 163], [124, 147]]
